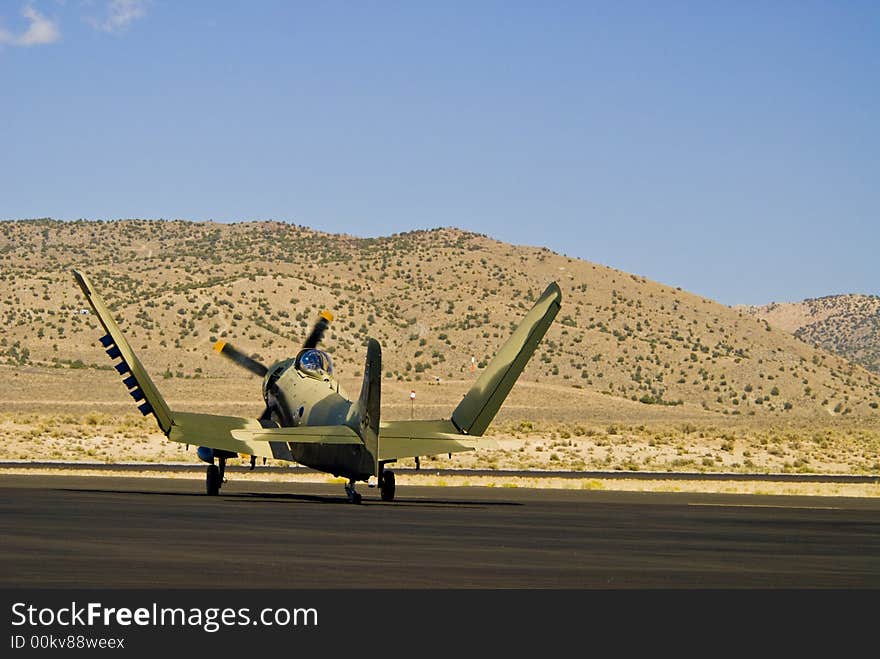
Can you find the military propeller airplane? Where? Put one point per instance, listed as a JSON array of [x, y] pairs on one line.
[[310, 419]]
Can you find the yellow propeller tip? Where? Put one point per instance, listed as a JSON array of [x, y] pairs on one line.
[[219, 346], [326, 315]]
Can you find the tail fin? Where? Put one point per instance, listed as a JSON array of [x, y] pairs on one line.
[[135, 375], [369, 402], [480, 405]]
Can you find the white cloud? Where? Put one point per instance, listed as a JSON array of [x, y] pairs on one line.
[[120, 14], [40, 30]]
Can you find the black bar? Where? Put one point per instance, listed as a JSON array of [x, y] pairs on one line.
[[444, 623]]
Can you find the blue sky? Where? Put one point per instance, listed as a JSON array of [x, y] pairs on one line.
[[730, 148]]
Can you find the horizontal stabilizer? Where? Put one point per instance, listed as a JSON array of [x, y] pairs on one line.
[[409, 439], [300, 435], [248, 436], [418, 430]]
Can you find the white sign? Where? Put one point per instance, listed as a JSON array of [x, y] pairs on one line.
[[412, 395]]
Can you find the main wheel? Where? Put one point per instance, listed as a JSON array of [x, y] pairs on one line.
[[387, 487], [212, 480]]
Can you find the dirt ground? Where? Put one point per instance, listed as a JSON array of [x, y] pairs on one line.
[[45, 415], [408, 480], [99, 436]]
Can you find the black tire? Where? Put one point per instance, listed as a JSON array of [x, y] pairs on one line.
[[212, 480], [387, 488]]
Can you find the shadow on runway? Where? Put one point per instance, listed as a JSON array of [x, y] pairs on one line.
[[146, 492], [282, 497], [397, 503]]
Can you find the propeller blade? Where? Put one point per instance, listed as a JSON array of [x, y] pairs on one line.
[[318, 330], [240, 358]]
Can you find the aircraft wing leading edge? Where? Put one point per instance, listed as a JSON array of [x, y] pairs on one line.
[[229, 433], [135, 376], [480, 405], [463, 431]]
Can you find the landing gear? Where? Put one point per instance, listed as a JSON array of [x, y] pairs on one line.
[[214, 478], [353, 495], [213, 481], [386, 485]]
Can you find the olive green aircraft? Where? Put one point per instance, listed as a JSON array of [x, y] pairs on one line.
[[308, 417]]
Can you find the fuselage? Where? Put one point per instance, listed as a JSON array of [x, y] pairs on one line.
[[298, 396]]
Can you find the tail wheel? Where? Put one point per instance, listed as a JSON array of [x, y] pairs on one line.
[[213, 480], [387, 487]]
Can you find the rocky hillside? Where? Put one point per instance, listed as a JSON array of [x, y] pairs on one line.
[[848, 325], [440, 302]]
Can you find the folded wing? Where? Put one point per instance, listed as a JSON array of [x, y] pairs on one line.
[[395, 439]]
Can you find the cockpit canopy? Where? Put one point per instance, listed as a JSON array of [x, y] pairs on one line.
[[314, 363]]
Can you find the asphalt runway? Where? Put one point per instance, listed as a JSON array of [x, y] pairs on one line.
[[108, 532], [496, 473]]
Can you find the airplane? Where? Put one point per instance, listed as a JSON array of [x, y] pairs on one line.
[[309, 418]]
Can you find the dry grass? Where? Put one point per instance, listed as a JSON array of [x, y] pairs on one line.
[[842, 448], [589, 484]]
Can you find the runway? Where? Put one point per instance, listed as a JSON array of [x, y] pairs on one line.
[[495, 473], [72, 531]]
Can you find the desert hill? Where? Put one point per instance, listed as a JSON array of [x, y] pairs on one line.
[[439, 301], [848, 325]]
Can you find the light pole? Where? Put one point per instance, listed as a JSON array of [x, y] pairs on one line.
[[412, 406]]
